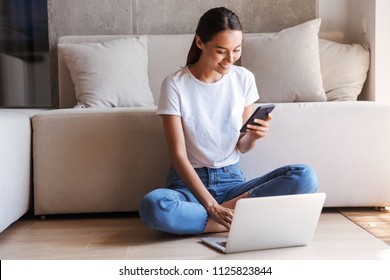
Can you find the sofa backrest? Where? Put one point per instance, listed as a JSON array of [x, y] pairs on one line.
[[161, 62], [166, 54]]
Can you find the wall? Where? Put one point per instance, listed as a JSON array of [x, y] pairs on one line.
[[334, 14], [91, 17], [382, 50], [347, 16], [363, 10]]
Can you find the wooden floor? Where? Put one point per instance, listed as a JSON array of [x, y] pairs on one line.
[[123, 236], [375, 221]]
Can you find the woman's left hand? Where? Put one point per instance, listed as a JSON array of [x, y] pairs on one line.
[[260, 130]]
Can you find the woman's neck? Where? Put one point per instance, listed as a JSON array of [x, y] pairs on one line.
[[203, 74]]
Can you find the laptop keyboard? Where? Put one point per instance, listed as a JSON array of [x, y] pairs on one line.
[[223, 244]]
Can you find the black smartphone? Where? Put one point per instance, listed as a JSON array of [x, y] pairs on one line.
[[261, 112]]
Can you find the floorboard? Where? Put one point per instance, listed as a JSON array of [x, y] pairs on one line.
[[123, 236], [376, 222]]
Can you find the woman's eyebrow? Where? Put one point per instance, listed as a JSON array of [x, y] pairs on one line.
[[220, 47]]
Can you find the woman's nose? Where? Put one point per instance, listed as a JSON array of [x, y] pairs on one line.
[[229, 57]]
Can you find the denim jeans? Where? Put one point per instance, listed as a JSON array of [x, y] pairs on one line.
[[175, 209]]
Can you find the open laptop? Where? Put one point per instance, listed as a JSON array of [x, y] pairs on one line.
[[271, 222]]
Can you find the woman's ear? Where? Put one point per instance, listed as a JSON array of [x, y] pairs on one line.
[[198, 42]]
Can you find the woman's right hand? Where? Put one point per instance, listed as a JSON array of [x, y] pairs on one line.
[[221, 215]]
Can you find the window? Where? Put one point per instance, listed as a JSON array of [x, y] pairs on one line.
[[24, 54]]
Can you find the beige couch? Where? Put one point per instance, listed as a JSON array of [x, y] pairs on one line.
[[107, 159]]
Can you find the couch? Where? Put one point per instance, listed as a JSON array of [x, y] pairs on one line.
[[15, 166], [107, 157]]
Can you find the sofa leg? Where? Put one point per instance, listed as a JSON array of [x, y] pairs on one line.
[[42, 217]]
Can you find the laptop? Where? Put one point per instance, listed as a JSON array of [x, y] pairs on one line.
[[271, 222]]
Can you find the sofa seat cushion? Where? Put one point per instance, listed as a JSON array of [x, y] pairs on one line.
[[347, 143], [97, 159]]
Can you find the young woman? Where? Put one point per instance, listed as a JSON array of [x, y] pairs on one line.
[[203, 107]]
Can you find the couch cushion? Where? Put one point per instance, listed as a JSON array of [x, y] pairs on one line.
[[344, 69], [112, 73], [286, 64], [97, 159]]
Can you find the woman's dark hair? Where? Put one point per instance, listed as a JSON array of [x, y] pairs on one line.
[[210, 24]]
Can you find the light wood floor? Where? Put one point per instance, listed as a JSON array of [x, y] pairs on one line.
[[123, 236], [374, 221]]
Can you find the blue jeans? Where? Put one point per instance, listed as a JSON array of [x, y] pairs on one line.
[[175, 209]]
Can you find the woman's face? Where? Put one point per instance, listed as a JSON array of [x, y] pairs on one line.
[[222, 52]]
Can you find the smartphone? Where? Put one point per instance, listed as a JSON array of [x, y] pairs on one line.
[[261, 112]]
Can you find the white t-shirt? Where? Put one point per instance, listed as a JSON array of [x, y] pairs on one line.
[[211, 113]]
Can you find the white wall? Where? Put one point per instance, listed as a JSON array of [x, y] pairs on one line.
[[347, 16], [382, 57], [365, 9], [335, 15]]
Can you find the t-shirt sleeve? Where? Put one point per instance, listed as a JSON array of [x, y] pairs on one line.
[[169, 102], [252, 95]]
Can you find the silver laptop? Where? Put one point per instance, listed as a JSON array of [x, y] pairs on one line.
[[271, 222]]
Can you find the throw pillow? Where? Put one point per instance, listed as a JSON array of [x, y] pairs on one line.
[[344, 69], [112, 73], [286, 64]]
